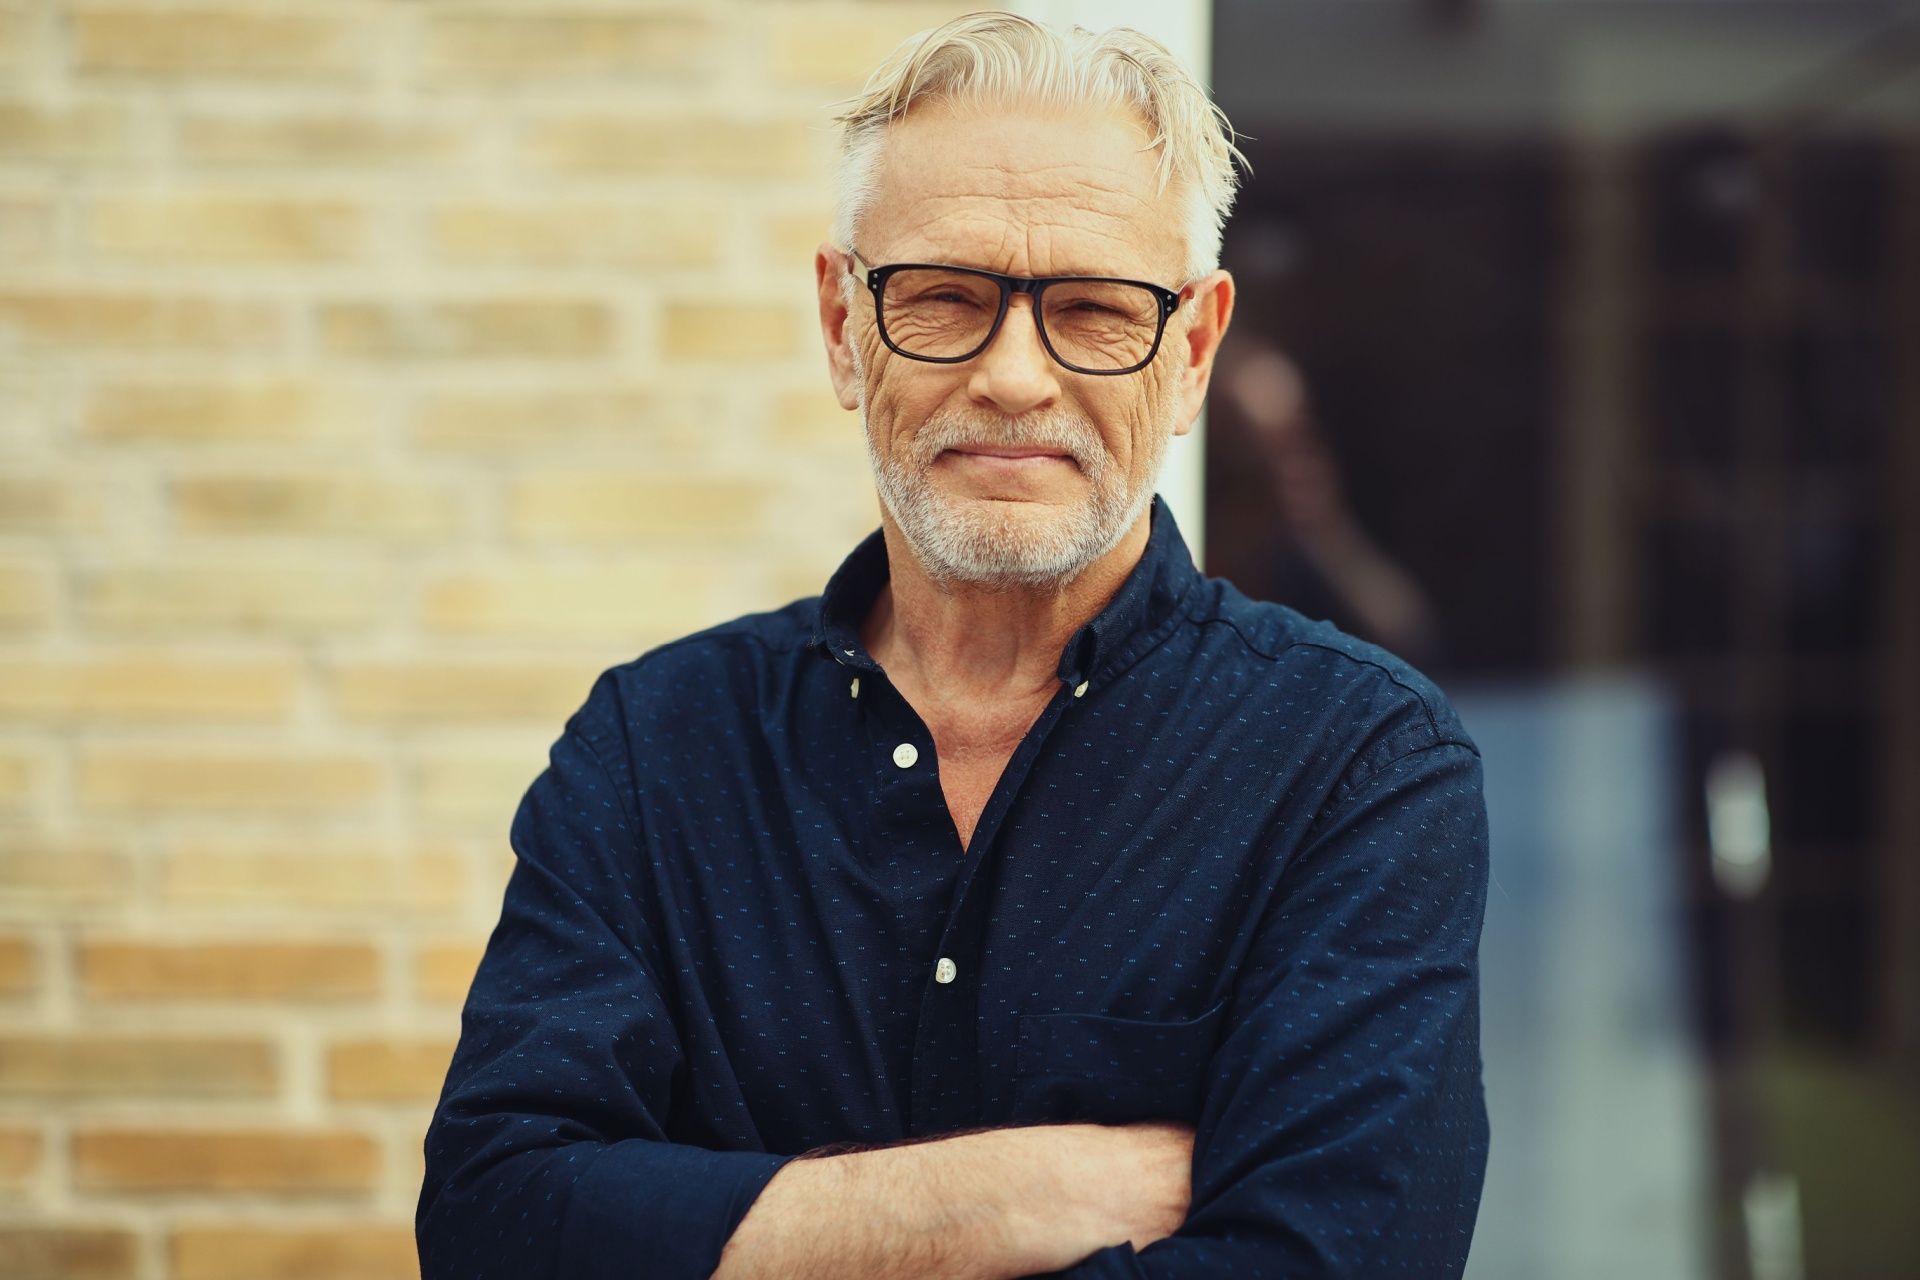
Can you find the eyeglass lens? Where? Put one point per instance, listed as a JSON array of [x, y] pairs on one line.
[[948, 315]]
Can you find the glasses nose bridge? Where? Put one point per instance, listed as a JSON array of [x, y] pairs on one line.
[[1015, 287]]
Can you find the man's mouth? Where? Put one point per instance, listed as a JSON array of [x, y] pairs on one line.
[[1011, 455]]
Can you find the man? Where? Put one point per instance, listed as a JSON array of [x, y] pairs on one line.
[[1026, 902]]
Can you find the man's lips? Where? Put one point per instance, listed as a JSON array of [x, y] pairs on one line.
[[1003, 453]]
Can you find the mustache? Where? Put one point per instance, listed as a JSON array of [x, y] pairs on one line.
[[1065, 432]]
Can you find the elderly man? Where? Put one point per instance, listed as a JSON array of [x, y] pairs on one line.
[[1026, 902]]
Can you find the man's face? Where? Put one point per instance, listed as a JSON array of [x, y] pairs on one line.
[[1029, 195]]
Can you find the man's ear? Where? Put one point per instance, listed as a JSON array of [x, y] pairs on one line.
[[1211, 309], [829, 269]]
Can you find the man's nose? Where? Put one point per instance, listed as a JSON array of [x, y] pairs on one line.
[[1015, 373]]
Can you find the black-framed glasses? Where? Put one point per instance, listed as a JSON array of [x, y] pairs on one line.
[[946, 314]]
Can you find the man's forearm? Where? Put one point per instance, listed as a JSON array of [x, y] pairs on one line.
[[974, 1206]]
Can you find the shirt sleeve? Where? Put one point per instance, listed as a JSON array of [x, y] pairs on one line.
[[1343, 1131], [547, 1154]]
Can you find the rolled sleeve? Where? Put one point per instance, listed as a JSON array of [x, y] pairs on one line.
[[672, 1204], [547, 1153], [1344, 1128]]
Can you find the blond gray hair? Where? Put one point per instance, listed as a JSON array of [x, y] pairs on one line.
[[1003, 58]]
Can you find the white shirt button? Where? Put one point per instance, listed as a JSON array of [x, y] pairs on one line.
[[905, 754], [1080, 690], [945, 970]]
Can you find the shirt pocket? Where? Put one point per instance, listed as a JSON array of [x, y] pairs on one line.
[[1104, 1069]]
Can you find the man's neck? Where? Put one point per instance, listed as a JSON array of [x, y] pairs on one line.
[[970, 644]]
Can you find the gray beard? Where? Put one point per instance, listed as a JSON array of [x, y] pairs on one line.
[[1008, 543]]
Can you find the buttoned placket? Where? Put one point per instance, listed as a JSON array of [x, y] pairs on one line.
[[912, 820]]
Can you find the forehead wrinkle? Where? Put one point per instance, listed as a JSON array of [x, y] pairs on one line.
[[1020, 189], [1089, 188], [1038, 236]]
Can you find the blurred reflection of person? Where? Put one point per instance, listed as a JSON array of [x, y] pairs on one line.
[[1313, 554]]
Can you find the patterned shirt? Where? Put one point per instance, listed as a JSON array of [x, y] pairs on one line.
[[1233, 876]]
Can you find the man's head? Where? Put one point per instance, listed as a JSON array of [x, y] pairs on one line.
[[997, 144]]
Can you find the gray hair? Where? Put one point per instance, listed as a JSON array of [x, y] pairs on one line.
[[991, 58]]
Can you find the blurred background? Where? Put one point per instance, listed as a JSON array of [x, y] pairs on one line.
[[374, 373], [1578, 360]]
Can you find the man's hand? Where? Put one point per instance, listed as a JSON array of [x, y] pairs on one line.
[[1121, 1183], [986, 1205]]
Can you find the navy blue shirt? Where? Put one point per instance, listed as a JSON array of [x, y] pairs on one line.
[[1232, 876]]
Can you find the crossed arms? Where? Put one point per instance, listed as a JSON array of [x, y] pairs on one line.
[[1342, 1130]]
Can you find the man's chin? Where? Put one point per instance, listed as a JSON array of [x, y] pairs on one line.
[[1000, 511], [1008, 494]]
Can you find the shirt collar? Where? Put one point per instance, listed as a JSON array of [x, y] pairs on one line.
[[1137, 617]]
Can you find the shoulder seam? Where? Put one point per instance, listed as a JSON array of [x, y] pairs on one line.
[[1345, 787], [1426, 708]]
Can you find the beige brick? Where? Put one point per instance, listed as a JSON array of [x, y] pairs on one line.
[[443, 971], [44, 502], [77, 1252], [83, 131], [31, 414], [240, 228], [275, 1161], [263, 410], [41, 873], [26, 225], [494, 874], [19, 43], [122, 1066], [141, 687], [668, 144], [793, 578], [835, 45], [21, 770], [643, 601], [583, 507], [548, 421], [258, 779], [813, 419], [21, 1151], [353, 504], [481, 47], [19, 970], [732, 330], [474, 789], [545, 234], [139, 321], [185, 594], [427, 882], [357, 1250], [301, 141], [457, 690], [387, 1070], [532, 327], [122, 969], [791, 239], [197, 44], [412, 1145], [26, 594]]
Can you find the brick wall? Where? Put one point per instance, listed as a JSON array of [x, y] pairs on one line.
[[372, 374]]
